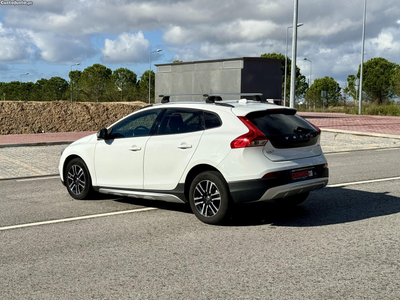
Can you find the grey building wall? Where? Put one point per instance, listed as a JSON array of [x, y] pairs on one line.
[[237, 75]]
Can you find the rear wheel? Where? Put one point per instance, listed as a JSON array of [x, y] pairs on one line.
[[77, 179], [209, 197]]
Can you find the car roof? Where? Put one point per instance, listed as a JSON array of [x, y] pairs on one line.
[[240, 107]]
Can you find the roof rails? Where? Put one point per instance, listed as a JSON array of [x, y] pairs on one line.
[[212, 98], [165, 98], [217, 97]]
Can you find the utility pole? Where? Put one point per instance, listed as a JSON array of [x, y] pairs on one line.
[[294, 54]]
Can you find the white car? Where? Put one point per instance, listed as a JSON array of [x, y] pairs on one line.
[[209, 154]]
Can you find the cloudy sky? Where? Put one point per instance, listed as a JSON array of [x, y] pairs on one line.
[[48, 36]]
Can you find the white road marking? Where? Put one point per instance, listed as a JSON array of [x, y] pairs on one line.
[[76, 218], [362, 182], [336, 153], [37, 178]]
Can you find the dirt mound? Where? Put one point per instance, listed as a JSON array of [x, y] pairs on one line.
[[18, 117]]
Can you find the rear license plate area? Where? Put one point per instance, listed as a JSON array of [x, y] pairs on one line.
[[304, 174]]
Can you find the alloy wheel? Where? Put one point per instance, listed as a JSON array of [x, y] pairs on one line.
[[207, 198], [76, 180]]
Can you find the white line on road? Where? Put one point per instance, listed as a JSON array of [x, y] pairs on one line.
[[37, 178], [76, 218], [362, 182]]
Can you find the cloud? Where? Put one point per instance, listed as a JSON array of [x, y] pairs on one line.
[[61, 31], [127, 47], [61, 48], [385, 44], [14, 46], [230, 32]]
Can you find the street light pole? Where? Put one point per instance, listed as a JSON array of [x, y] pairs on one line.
[[305, 58], [158, 50], [362, 59], [294, 53], [72, 91], [284, 89]]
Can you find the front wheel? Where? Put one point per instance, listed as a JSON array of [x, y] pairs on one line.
[[77, 179], [209, 197]]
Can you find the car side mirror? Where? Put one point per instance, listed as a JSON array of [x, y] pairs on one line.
[[102, 134]]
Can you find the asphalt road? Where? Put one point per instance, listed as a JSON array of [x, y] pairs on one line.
[[342, 243]]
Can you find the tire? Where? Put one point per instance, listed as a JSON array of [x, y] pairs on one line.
[[77, 179], [293, 200], [209, 197]]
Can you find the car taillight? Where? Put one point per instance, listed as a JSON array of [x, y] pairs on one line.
[[272, 175], [254, 138], [316, 127]]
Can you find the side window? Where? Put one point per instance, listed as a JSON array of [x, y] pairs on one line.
[[136, 125], [211, 120], [181, 121]]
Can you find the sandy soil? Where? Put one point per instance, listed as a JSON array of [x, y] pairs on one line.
[[18, 117]]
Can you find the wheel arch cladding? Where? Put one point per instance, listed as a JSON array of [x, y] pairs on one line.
[[194, 172]]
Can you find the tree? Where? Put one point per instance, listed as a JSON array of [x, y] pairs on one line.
[[55, 88], [74, 77], [122, 81], [351, 87], [301, 82], [37, 93], [327, 84], [25, 89], [396, 82], [144, 86], [94, 81], [377, 79], [11, 90]]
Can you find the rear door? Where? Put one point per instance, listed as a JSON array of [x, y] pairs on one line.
[[289, 136], [170, 150]]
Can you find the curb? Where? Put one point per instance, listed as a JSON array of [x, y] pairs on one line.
[[31, 177], [36, 144], [358, 150], [379, 135]]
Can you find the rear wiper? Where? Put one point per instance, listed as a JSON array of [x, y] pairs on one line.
[[302, 129]]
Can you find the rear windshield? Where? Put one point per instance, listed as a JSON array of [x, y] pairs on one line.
[[280, 122]]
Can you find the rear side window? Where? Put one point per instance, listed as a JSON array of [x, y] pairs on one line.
[[284, 128], [211, 120], [177, 121]]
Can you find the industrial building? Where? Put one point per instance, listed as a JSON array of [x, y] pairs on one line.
[[234, 75]]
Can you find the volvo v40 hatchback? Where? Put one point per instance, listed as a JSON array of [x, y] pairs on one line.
[[210, 155]]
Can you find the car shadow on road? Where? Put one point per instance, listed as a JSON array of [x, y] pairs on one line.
[[181, 207], [325, 207]]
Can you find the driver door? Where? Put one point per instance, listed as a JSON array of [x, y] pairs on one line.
[[119, 159]]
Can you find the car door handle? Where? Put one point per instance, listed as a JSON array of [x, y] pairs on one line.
[[184, 146], [135, 148]]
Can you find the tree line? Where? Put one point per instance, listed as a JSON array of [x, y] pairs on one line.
[[381, 85], [94, 84]]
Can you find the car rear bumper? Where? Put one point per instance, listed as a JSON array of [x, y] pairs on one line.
[[275, 188]]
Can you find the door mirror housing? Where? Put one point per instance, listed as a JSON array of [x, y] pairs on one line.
[[102, 134]]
